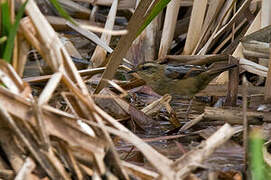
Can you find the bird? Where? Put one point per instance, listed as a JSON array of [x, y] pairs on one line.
[[180, 79]]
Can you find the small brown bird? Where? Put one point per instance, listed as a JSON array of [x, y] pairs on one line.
[[185, 80]]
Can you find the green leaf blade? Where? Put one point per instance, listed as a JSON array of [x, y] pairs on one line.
[[62, 11], [154, 12], [12, 34]]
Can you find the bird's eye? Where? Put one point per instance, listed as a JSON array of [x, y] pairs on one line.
[[145, 67]]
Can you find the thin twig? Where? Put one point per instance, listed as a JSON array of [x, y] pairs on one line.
[[245, 122]]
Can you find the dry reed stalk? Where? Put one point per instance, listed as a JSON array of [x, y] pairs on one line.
[[25, 171], [195, 26], [160, 162], [23, 52], [127, 4], [85, 72], [253, 67], [184, 165], [245, 121], [15, 57], [225, 13], [143, 47], [123, 4], [221, 30], [266, 21], [150, 40], [13, 152], [70, 47], [63, 125], [53, 51], [238, 27], [50, 87], [139, 171], [31, 145], [18, 106], [232, 93], [125, 42], [238, 53], [59, 23], [209, 22], [13, 82], [99, 55], [75, 9], [59, 60], [267, 94], [266, 13], [169, 27]]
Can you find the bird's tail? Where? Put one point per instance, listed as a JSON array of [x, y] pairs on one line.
[[218, 70]]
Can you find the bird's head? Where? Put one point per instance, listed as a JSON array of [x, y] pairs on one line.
[[148, 70]]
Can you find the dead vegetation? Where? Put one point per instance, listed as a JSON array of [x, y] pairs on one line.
[[69, 110]]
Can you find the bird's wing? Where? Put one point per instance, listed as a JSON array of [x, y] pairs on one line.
[[183, 71]]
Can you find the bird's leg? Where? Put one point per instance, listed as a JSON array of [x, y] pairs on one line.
[[188, 109], [156, 105], [172, 114]]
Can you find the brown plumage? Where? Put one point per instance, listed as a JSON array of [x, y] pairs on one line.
[[186, 80]]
